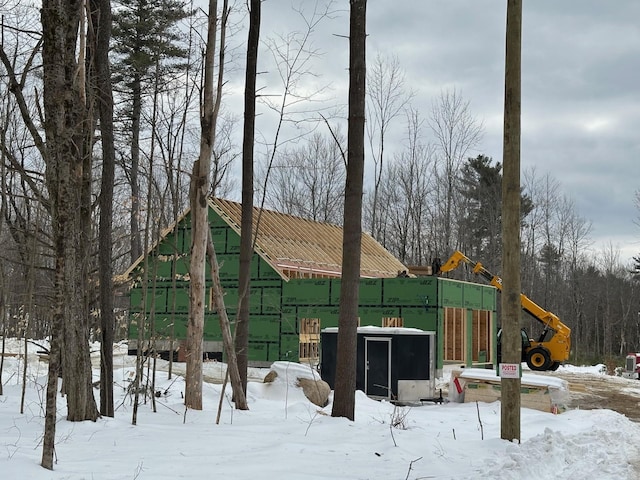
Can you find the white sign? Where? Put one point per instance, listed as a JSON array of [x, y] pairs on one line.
[[509, 370]]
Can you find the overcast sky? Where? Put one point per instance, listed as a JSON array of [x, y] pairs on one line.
[[580, 86]]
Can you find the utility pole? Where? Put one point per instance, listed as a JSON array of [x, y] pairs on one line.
[[511, 286]]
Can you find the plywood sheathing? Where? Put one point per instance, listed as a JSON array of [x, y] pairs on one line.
[[296, 244]]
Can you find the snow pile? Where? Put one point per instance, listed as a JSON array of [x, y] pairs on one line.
[[284, 436]]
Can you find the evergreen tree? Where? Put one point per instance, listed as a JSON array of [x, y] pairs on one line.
[[147, 42], [482, 190], [636, 268]]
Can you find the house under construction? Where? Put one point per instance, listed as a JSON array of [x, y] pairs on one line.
[[295, 291]]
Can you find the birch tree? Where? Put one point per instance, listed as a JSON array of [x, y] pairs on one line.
[[201, 243], [199, 201]]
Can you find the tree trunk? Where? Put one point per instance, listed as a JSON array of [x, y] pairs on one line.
[[3, 332], [68, 132], [198, 197], [511, 283], [345, 384], [101, 21], [239, 397], [136, 111], [246, 237], [50, 417]]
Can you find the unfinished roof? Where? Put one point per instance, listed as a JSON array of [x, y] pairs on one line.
[[297, 245]]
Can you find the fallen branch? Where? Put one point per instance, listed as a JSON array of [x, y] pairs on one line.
[[480, 422], [411, 466]]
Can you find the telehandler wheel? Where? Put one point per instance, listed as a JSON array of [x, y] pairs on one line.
[[554, 366], [538, 359]]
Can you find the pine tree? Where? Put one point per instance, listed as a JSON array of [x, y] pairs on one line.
[[147, 44], [636, 268], [482, 189]]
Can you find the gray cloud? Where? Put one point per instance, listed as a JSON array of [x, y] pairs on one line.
[[581, 94]]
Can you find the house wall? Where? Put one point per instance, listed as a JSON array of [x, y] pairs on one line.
[[472, 299], [278, 306], [167, 298]]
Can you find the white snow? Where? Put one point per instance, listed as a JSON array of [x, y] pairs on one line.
[[526, 379], [284, 436], [386, 330]]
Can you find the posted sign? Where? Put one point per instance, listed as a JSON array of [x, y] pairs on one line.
[[509, 370]]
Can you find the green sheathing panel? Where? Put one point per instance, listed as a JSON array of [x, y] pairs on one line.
[[393, 292], [373, 315], [265, 328], [387, 292], [289, 347], [167, 297], [211, 327], [450, 293], [412, 299], [328, 315], [420, 317], [489, 299], [409, 291], [370, 292], [307, 292], [440, 338], [474, 296], [288, 321]]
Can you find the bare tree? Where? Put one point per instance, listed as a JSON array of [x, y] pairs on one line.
[[246, 227], [68, 128], [201, 244], [456, 132], [345, 384], [405, 196], [291, 57], [551, 250], [308, 180], [531, 228], [572, 286], [511, 289], [611, 267], [101, 23], [387, 97], [23, 217], [198, 196]]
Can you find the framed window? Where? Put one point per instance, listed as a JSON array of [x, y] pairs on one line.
[[309, 340], [392, 322], [454, 334], [481, 336]]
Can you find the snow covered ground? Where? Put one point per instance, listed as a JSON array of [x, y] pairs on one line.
[[284, 436]]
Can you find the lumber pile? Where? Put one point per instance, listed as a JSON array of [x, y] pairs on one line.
[[544, 393]]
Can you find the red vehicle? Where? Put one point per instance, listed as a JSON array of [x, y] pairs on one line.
[[632, 366]]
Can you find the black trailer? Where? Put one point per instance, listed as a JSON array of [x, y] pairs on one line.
[[397, 364]]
